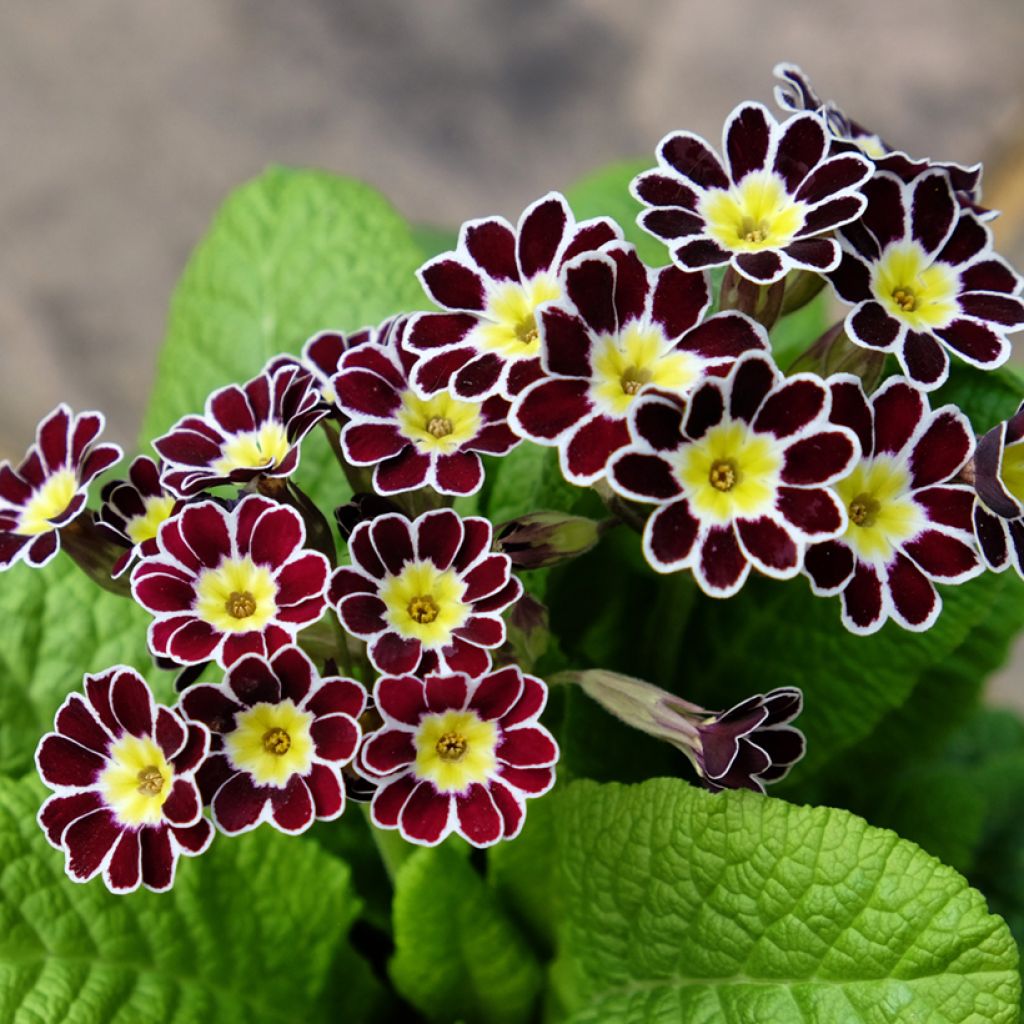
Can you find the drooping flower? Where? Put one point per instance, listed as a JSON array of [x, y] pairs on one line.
[[744, 475], [227, 583], [49, 488], [458, 754], [122, 768], [134, 509], [909, 522], [998, 512], [487, 343], [247, 431], [620, 330], [412, 441], [766, 210], [280, 737], [425, 595], [923, 279]]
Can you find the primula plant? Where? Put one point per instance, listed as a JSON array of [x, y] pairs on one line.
[[435, 655]]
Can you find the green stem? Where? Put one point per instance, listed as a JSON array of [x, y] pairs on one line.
[[393, 849]]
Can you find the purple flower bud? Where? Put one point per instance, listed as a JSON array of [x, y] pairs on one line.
[[541, 539]]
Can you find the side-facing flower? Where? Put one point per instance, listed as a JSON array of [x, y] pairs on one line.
[[620, 330], [247, 431], [281, 736], [487, 342], [125, 804], [227, 583], [999, 505], [321, 354], [767, 209], [50, 486], [923, 279], [742, 476], [458, 754], [413, 441], [425, 595], [909, 523]]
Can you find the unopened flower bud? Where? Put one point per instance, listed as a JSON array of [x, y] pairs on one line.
[[526, 633], [540, 539], [762, 303], [801, 287], [833, 352], [362, 506]]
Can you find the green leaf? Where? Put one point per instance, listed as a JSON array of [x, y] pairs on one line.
[[733, 909], [458, 957], [253, 932]]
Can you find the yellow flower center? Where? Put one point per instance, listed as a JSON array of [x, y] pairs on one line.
[[439, 423], [640, 355], [511, 310], [882, 513], [454, 749], [1012, 470], [756, 214], [730, 472], [46, 503], [263, 448], [920, 293], [146, 526], [236, 597], [425, 603], [136, 781], [271, 742]]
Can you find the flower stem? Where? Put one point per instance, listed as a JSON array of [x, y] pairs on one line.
[[393, 849]]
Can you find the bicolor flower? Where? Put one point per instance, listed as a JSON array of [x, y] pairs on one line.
[[744, 475], [425, 595], [767, 209], [458, 754], [413, 441], [321, 355], [227, 583], [909, 523], [620, 330], [999, 505], [133, 510], [923, 280], [487, 341], [247, 431], [281, 736], [50, 486], [122, 768]]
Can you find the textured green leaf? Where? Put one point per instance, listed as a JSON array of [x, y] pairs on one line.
[[253, 932], [458, 957], [737, 909]]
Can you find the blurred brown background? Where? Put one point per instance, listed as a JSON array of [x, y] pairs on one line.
[[124, 124]]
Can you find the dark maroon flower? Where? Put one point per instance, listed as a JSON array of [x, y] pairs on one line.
[[487, 342], [909, 523], [281, 736], [922, 277], [247, 431], [620, 330], [227, 583], [743, 476], [50, 487], [125, 804], [321, 355], [411, 441], [998, 512], [425, 595], [457, 754], [767, 209]]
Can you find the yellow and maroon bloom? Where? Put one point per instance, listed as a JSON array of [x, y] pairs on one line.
[[247, 431], [743, 475], [413, 441], [50, 486], [458, 754], [223, 584], [280, 738], [425, 595], [999, 504], [126, 804], [767, 209], [923, 279], [487, 342], [909, 524], [321, 355], [620, 330]]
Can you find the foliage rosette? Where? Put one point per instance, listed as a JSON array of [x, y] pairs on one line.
[[125, 804], [281, 736], [457, 754], [425, 594], [225, 583]]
